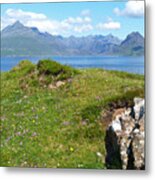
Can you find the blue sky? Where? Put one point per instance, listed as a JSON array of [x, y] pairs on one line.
[[80, 19]]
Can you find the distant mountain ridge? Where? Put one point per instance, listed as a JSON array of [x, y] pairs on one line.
[[19, 40]]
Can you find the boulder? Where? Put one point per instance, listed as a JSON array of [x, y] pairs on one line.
[[57, 85], [125, 137], [60, 83]]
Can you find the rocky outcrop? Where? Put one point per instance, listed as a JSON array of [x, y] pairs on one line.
[[125, 137]]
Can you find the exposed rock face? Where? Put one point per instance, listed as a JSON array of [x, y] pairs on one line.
[[125, 137]]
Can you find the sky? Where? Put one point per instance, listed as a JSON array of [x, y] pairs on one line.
[[79, 18]]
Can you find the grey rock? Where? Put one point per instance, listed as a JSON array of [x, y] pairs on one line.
[[125, 137]]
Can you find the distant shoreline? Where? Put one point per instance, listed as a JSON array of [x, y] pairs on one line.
[[118, 63], [49, 56]]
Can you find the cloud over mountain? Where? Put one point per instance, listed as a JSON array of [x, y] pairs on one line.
[[79, 24], [82, 23]]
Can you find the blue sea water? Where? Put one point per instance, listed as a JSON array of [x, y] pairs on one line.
[[127, 64]]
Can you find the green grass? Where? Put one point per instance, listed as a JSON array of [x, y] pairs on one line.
[[42, 127]]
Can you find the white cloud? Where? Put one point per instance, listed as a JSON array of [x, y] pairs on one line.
[[77, 24], [83, 28], [5, 22], [77, 20], [132, 9], [26, 15], [109, 25], [85, 12], [87, 19]]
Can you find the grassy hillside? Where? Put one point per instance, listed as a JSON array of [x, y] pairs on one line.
[[46, 125]]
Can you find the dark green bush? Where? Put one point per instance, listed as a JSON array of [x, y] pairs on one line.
[[67, 72], [41, 75], [49, 67]]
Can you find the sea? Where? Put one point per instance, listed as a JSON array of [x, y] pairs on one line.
[[124, 63]]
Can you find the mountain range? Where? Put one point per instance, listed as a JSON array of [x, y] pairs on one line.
[[19, 40]]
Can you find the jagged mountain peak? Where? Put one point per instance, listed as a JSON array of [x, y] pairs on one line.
[[14, 26], [135, 34], [17, 24], [134, 37]]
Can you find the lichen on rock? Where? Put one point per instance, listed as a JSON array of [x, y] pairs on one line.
[[125, 137]]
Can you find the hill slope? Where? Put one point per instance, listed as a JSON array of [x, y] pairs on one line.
[[59, 127]]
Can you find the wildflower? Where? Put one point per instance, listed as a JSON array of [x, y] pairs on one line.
[[80, 165], [34, 134], [25, 162], [43, 108], [33, 121], [65, 123], [99, 154], [25, 97], [71, 149], [18, 133], [3, 118], [21, 143]]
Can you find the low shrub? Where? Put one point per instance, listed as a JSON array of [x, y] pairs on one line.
[[24, 67], [49, 67], [41, 75], [53, 68], [67, 72]]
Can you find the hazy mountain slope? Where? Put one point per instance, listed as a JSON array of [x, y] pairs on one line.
[[19, 40], [133, 44]]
